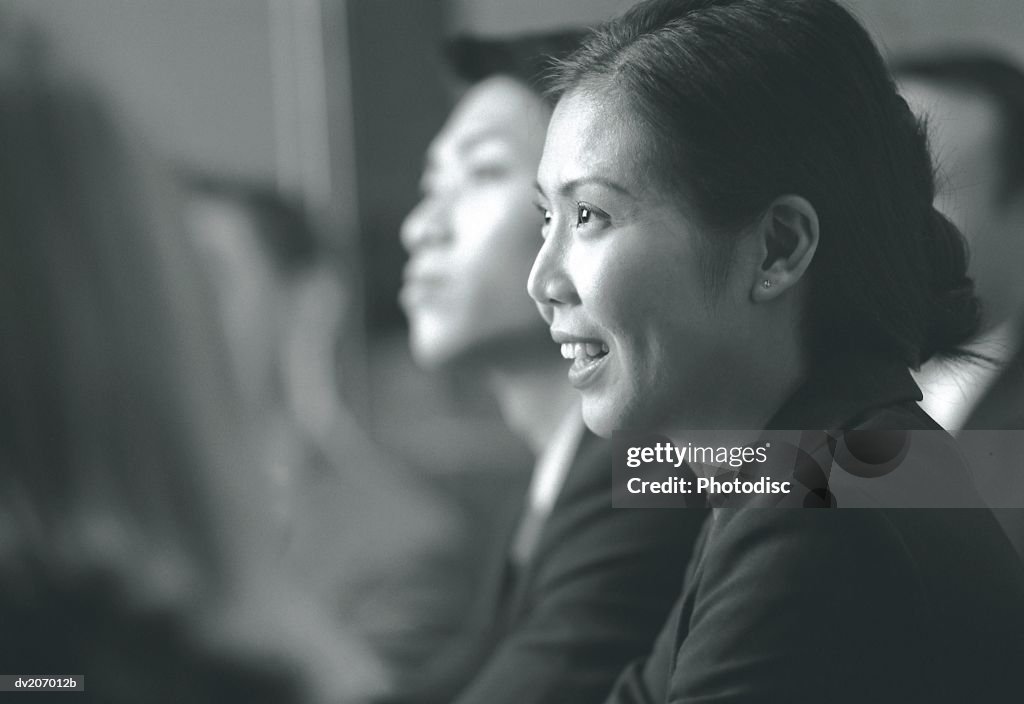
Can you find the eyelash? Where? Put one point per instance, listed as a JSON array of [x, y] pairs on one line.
[[585, 212], [488, 172], [545, 213]]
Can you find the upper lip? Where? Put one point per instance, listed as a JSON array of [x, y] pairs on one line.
[[562, 337], [414, 274]]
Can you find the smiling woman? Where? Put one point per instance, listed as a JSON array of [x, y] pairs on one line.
[[739, 235], [622, 271]]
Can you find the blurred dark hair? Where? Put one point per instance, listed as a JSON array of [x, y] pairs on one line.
[[528, 58], [747, 100], [991, 77], [104, 329], [130, 510], [281, 226]]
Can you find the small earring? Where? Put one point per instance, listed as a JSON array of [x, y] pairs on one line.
[[767, 283]]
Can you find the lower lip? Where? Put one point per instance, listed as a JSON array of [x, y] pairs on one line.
[[585, 374], [418, 293]]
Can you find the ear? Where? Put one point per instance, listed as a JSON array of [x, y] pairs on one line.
[[787, 238]]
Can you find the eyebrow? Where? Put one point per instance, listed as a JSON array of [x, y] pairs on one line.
[[465, 146], [569, 186], [477, 138], [473, 140]]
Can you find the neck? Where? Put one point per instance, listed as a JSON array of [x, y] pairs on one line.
[[745, 392], [533, 400]]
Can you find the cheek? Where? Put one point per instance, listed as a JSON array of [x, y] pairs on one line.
[[636, 291], [613, 293]]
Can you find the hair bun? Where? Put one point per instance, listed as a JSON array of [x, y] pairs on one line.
[[955, 313]]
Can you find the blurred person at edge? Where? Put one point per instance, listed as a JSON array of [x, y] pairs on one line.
[[382, 550], [973, 104], [132, 526], [576, 589]]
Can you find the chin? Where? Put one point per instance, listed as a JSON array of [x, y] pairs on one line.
[[598, 418], [604, 416], [429, 350]]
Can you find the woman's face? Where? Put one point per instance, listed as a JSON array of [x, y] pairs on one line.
[[619, 280], [474, 234]]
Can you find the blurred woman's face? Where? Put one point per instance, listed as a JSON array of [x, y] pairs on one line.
[[619, 280], [474, 234]]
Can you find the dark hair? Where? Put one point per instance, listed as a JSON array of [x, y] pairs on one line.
[[281, 227], [991, 77], [129, 500], [528, 58], [749, 100]]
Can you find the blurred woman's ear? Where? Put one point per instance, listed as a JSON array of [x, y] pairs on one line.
[[787, 239]]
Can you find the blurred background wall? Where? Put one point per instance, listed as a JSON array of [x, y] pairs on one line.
[[899, 24], [197, 74]]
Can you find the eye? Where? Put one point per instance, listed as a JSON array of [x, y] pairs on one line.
[[488, 171], [545, 213], [584, 213]]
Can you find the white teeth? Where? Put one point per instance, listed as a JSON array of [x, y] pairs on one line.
[[583, 350]]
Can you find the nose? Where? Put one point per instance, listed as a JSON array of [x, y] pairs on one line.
[[425, 224], [550, 284]]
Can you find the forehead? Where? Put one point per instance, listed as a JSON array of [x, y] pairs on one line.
[[498, 109], [588, 135], [963, 127], [594, 135]]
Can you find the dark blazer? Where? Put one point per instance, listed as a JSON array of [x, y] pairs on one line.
[[846, 605], [593, 596]]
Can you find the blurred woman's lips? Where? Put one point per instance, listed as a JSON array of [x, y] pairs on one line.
[[420, 289]]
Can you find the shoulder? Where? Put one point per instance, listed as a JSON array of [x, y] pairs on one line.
[[616, 554], [584, 514], [585, 504], [895, 593], [784, 547]]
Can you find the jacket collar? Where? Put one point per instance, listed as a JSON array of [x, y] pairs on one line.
[[841, 390]]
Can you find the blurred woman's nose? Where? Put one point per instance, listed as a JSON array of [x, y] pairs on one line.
[[425, 224], [550, 284]]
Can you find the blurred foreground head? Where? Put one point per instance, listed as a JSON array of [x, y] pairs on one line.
[[112, 397], [475, 232], [132, 523], [973, 104]]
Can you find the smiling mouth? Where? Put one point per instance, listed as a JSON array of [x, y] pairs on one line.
[[584, 352], [587, 358], [420, 290]]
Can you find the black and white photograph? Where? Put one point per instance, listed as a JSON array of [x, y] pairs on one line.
[[512, 351]]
